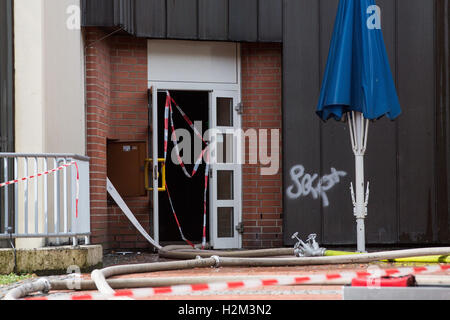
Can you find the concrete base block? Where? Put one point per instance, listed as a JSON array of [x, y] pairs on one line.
[[52, 260], [386, 293]]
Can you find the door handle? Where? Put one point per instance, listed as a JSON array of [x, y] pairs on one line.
[[155, 174]]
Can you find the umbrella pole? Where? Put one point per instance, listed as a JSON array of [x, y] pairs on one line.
[[358, 133]]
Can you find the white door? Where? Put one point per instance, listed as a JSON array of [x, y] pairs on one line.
[[226, 171]]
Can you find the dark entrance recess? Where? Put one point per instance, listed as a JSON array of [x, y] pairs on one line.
[[187, 194]]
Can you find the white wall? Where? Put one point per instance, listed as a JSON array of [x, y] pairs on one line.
[[63, 81], [49, 82], [193, 61]]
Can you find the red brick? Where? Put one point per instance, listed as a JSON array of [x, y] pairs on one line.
[[261, 94], [116, 90]]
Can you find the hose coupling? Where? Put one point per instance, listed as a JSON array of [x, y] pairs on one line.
[[309, 249], [46, 284], [217, 264]]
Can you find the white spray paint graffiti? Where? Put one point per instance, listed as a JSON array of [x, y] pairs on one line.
[[304, 187]]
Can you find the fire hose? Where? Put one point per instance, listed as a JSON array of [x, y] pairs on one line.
[[303, 254], [227, 259]]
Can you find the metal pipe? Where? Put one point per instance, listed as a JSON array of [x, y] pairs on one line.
[[360, 209], [350, 127], [45, 197], [36, 196], [366, 135], [65, 197], [354, 129], [16, 197], [56, 200], [5, 174], [44, 155], [48, 235], [359, 127], [25, 191]]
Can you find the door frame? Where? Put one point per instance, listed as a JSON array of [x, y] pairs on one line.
[[158, 87], [164, 85]]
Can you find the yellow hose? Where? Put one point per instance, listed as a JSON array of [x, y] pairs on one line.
[[424, 259], [329, 253]]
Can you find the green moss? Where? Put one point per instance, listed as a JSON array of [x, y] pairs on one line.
[[12, 278]]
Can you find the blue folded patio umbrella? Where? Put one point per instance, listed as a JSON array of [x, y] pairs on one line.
[[358, 76], [358, 83]]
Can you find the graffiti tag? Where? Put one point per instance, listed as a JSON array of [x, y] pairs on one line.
[[306, 184]]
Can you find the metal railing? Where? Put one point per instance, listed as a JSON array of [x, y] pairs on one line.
[[48, 197]]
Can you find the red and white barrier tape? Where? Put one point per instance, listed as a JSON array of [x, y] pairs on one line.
[[168, 115], [73, 163], [248, 284]]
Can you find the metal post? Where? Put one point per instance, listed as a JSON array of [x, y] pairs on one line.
[[5, 173], [64, 172], [16, 196], [25, 191], [45, 196], [36, 196], [155, 163], [360, 213], [56, 200], [73, 219], [358, 134]]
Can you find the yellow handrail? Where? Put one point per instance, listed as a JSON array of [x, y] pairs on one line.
[[147, 165]]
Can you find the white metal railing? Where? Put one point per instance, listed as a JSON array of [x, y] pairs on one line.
[[45, 205]]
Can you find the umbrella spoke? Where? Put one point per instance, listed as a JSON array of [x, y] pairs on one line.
[[352, 136]]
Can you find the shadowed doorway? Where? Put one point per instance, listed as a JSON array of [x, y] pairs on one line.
[[187, 194]]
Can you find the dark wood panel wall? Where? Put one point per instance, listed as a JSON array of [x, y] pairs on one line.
[[407, 161], [222, 20], [443, 119]]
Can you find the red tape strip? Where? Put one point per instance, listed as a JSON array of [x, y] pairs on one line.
[[408, 281], [73, 163]]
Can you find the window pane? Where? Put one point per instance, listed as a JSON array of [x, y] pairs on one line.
[[225, 146], [224, 112], [225, 222], [225, 185]]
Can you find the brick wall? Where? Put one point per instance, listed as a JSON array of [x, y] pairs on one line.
[[116, 89], [117, 108], [261, 95]]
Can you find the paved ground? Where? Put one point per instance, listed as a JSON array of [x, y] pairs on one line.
[[304, 292]]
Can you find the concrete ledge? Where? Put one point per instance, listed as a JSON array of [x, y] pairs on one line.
[[52, 260], [386, 293]]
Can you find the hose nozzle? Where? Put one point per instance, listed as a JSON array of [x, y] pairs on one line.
[[309, 249]]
